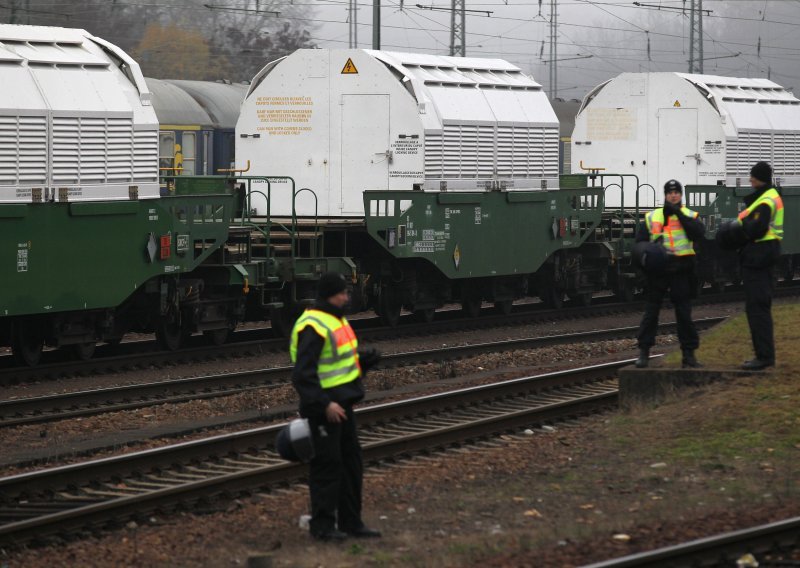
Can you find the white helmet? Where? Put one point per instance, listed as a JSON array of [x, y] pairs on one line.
[[294, 442]]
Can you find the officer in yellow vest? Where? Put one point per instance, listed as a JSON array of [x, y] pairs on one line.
[[762, 222], [327, 374], [673, 227]]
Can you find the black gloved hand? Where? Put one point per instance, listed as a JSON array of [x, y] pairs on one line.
[[368, 357], [670, 209]]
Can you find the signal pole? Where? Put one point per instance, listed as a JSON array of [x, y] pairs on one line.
[[554, 48], [696, 37], [458, 28]]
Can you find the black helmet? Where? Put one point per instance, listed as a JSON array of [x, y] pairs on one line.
[[294, 442], [731, 236], [673, 185], [650, 256]]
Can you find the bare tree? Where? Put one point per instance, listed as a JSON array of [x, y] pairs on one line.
[[199, 39]]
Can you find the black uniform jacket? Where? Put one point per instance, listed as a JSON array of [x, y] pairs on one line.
[[313, 398], [756, 225]]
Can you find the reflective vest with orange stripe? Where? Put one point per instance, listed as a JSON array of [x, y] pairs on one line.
[[771, 198], [675, 239], [338, 363]]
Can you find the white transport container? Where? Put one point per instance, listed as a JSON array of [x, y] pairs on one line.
[[698, 129], [344, 121], [76, 122]]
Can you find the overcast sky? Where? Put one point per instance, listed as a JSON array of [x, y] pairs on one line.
[[614, 32]]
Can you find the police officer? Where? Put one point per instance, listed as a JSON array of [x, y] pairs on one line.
[[328, 377], [674, 228], [762, 222]]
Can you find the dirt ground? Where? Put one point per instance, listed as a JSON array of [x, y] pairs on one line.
[[711, 460]]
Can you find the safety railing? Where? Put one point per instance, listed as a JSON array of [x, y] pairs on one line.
[[269, 223]]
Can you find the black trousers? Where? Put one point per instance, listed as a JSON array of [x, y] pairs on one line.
[[758, 284], [680, 285], [336, 474]]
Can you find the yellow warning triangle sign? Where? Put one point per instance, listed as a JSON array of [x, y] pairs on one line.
[[349, 68], [677, 104]]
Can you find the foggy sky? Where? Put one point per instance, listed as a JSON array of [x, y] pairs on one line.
[[612, 31]]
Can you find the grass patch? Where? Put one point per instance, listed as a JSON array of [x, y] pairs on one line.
[[729, 344]]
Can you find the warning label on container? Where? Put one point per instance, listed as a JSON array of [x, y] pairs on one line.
[[402, 174], [284, 116], [611, 124], [349, 68], [712, 147], [406, 146]]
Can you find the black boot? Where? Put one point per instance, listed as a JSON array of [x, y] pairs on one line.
[[689, 360], [644, 358], [758, 364]]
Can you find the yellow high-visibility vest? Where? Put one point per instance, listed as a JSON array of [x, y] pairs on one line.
[[675, 240], [772, 198], [338, 363]]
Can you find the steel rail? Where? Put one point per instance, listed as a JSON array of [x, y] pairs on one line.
[[141, 354], [66, 498], [33, 410], [721, 549]]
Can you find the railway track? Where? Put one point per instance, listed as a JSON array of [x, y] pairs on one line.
[[109, 491], [718, 550], [18, 412], [143, 354]]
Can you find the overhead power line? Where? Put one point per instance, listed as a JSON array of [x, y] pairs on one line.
[[223, 8], [454, 9]]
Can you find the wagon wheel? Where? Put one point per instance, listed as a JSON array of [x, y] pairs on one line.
[[788, 270], [170, 335], [390, 309], [503, 306], [425, 315], [552, 297], [718, 286], [217, 337], [282, 319], [26, 345], [471, 307], [83, 351], [625, 291], [583, 299]]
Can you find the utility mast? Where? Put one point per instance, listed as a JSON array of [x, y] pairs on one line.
[[376, 24], [696, 37], [554, 49], [353, 24], [458, 28]]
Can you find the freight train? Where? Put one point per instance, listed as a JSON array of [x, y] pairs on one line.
[[425, 180]]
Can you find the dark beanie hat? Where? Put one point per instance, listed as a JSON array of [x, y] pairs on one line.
[[762, 171], [673, 185], [330, 284]]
